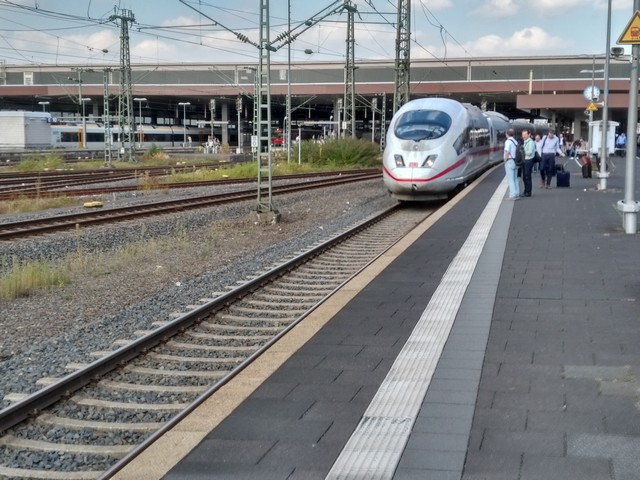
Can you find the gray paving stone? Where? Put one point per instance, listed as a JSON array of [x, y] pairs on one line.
[[545, 467], [446, 410], [509, 420], [440, 442], [266, 429], [317, 455], [571, 422], [420, 474], [493, 466], [552, 443], [432, 460]]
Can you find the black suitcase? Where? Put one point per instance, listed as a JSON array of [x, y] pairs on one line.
[[586, 171], [563, 178]]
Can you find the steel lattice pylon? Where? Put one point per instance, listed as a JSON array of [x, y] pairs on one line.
[[125, 101], [403, 57], [349, 74], [263, 113]]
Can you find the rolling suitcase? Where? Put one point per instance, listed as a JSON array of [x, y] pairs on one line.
[[586, 166], [563, 177]]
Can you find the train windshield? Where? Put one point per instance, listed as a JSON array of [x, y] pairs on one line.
[[422, 125]]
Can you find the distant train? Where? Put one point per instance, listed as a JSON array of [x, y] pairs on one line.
[[437, 145], [70, 136]]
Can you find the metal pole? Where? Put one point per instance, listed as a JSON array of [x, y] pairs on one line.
[[184, 122], [239, 110], [84, 125], [629, 207], [288, 129], [299, 144], [140, 100], [604, 155], [339, 118]]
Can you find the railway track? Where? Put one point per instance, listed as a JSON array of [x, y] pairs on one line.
[[54, 183], [62, 187], [90, 423], [22, 229]]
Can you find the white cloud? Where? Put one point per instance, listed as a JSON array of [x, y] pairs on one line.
[[527, 41], [498, 9]]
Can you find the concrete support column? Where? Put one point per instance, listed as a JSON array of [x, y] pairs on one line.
[[579, 130], [224, 112]]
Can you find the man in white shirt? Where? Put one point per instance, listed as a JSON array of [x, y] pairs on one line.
[[510, 169], [550, 148]]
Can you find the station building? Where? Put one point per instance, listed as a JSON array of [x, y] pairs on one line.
[[544, 89]]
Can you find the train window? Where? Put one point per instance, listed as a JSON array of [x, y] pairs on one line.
[[70, 137], [422, 125], [95, 136], [462, 142]]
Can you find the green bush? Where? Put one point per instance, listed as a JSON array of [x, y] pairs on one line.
[[341, 152], [19, 280], [36, 163]]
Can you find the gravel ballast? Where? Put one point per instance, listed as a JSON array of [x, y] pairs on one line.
[[129, 275]]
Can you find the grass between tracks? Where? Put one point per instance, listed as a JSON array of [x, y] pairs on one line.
[[22, 279], [308, 157]]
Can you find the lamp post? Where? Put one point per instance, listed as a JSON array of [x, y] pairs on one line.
[[603, 174], [592, 94], [140, 100], [82, 100], [84, 122], [287, 131], [184, 122], [44, 105]]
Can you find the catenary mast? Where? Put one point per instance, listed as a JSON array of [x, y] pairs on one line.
[[403, 57], [125, 102]]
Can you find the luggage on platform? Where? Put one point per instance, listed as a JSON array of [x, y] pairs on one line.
[[563, 177], [586, 166]]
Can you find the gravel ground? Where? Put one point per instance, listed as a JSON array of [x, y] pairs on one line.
[[132, 274]]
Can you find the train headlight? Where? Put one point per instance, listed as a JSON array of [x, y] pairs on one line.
[[399, 160], [429, 161]]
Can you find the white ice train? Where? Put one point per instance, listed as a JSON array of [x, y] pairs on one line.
[[436, 145]]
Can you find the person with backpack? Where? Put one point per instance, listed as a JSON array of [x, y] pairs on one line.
[[550, 148], [529, 152], [510, 168]]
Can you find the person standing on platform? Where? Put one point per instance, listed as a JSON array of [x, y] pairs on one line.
[[550, 148], [621, 144], [538, 142], [529, 156], [511, 171]]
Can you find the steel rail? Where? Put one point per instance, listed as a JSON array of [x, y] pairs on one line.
[[49, 191], [13, 230]]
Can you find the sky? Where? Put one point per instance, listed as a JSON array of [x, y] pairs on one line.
[[87, 32]]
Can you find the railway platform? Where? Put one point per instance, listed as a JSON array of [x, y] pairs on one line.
[[501, 340]]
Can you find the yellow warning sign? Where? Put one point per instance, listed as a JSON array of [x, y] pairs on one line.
[[631, 34], [592, 107]]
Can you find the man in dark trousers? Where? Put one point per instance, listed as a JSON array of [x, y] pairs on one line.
[[550, 148], [529, 156]]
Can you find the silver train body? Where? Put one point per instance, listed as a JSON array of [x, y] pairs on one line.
[[436, 145], [70, 135]]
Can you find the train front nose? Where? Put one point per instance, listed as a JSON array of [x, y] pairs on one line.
[[409, 174]]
